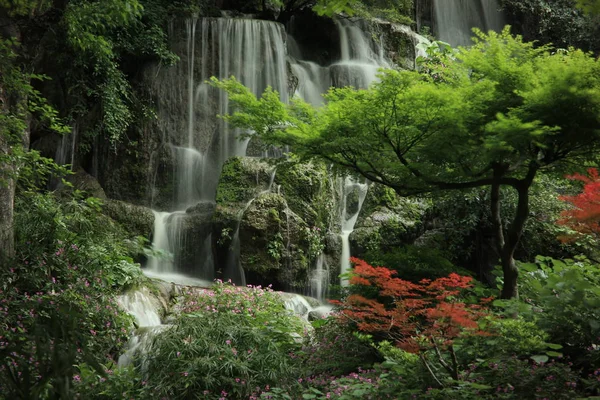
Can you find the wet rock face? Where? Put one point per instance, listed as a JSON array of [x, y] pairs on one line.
[[275, 207]]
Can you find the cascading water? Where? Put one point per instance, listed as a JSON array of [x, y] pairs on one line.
[[254, 52], [145, 310], [349, 215], [65, 153], [361, 59], [196, 143], [319, 279], [454, 19]]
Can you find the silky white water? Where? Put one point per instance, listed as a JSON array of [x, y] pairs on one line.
[[455, 19], [254, 52]]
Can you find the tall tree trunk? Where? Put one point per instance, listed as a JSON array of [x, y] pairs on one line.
[[7, 199]]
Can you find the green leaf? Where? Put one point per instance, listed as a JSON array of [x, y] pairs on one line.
[[540, 358]]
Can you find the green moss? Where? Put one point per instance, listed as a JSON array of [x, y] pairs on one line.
[[233, 186], [307, 190]]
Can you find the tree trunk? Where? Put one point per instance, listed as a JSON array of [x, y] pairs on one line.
[[7, 198], [510, 290], [507, 244]]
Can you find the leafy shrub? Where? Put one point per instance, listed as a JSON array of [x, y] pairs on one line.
[[565, 299], [414, 263], [44, 223], [230, 341], [504, 337], [109, 383], [404, 312], [523, 379], [57, 296]]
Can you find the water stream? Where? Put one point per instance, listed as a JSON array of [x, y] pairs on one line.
[[455, 19]]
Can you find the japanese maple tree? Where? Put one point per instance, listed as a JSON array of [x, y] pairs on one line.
[[402, 311], [414, 316]]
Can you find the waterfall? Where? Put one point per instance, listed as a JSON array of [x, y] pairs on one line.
[[144, 307], [454, 19], [65, 153], [319, 279], [361, 58], [349, 215], [254, 52], [195, 143]]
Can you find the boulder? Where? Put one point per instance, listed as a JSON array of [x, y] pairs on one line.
[[137, 220]]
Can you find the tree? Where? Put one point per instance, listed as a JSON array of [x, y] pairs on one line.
[[495, 116], [413, 316]]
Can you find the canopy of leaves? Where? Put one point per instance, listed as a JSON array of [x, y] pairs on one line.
[[502, 103]]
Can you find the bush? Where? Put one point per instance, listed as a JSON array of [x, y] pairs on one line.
[[414, 263], [504, 338], [230, 340], [565, 300], [57, 296]]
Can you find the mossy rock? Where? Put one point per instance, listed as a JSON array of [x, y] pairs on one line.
[[136, 220], [399, 43], [386, 221], [308, 191], [273, 243], [242, 178]]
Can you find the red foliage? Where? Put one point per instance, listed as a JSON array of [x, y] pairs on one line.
[[404, 311], [584, 216]]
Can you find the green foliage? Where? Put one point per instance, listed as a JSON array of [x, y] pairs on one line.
[[564, 23], [112, 382], [589, 6], [228, 339], [334, 349], [276, 247], [316, 241], [43, 225], [565, 300], [57, 296], [504, 338], [415, 263]]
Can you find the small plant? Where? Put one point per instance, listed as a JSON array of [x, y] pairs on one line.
[[225, 237], [316, 241], [275, 247]]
